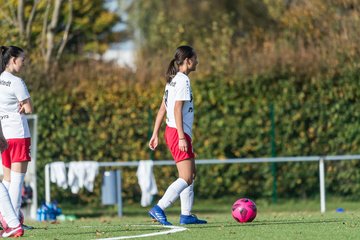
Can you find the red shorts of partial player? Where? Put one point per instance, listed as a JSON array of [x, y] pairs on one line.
[[18, 151], [172, 141]]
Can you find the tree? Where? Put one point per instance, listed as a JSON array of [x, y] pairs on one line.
[[212, 27], [51, 27]]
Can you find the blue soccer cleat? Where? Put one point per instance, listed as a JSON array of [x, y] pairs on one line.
[[191, 219], [158, 214]]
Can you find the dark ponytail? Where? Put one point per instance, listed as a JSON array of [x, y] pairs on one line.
[[181, 54], [3, 58], [172, 70], [6, 53]]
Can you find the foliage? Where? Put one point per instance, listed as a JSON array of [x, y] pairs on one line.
[[250, 38], [103, 120], [213, 33], [301, 56], [92, 27], [89, 31]]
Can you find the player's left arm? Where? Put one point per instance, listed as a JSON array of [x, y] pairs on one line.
[[26, 106], [22, 94], [183, 146]]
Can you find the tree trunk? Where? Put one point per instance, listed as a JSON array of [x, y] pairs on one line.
[[44, 28], [50, 34], [20, 18], [29, 23], [66, 32]]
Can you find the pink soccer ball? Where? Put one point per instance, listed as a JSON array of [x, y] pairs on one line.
[[244, 210]]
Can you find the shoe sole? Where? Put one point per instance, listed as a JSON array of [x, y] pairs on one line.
[[17, 235], [153, 218]]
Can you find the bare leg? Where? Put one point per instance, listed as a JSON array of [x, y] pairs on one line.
[[186, 170], [6, 174]]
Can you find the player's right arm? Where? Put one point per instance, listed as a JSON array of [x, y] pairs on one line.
[[154, 141], [3, 142]]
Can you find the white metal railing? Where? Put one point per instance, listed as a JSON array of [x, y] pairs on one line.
[[320, 159]]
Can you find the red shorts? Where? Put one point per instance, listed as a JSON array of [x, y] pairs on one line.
[[172, 141], [17, 151]]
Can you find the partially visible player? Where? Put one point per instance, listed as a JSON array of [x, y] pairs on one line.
[[15, 102], [8, 219], [179, 108]]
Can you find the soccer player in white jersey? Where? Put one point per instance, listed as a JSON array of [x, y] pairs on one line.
[[8, 219], [15, 102], [179, 108]]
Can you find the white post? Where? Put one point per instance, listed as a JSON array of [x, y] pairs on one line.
[[31, 177], [47, 183], [34, 206], [322, 184], [119, 191]]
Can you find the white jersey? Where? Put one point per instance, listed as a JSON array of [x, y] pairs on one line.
[[179, 89], [12, 91]]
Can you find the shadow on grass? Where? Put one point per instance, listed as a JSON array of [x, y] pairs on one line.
[[150, 226], [137, 212], [263, 223]]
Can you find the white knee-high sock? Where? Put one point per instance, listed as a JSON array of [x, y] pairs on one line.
[[6, 184], [6, 208], [172, 193], [187, 199], [16, 184]]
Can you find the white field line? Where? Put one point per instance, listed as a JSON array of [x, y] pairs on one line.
[[173, 229]]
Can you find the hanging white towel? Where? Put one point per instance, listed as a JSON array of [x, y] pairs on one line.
[[58, 174], [82, 174], [146, 181], [75, 176], [92, 169]]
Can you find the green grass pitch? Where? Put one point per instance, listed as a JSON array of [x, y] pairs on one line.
[[285, 220]]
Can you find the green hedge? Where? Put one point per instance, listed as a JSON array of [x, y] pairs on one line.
[[232, 120]]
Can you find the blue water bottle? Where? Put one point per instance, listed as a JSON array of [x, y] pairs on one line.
[[38, 214], [45, 212]]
